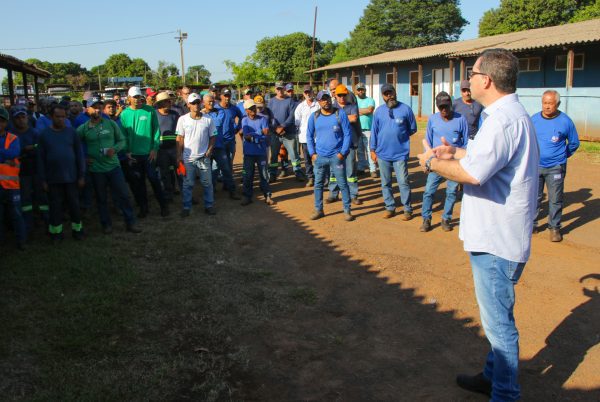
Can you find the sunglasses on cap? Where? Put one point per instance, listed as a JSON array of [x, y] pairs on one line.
[[341, 95]]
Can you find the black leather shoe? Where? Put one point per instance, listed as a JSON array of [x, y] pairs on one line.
[[475, 383]]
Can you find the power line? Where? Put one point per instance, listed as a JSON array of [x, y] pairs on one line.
[[91, 43]]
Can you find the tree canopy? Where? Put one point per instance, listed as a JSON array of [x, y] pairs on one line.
[[388, 25], [519, 15], [197, 75]]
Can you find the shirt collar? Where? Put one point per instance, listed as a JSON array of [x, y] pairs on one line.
[[498, 104]]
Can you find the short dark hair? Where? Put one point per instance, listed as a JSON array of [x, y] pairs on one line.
[[54, 107], [502, 67], [110, 102]]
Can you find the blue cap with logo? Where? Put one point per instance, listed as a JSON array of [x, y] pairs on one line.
[[322, 94]]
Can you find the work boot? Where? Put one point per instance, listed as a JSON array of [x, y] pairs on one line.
[[272, 178], [210, 211], [310, 182], [317, 215], [269, 201], [356, 201], [389, 213], [446, 227], [246, 201], [426, 226], [475, 383], [555, 235], [133, 228], [407, 215], [300, 177], [374, 175], [282, 174], [348, 216]]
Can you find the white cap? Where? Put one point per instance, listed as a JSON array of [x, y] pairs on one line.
[[134, 91], [194, 97]]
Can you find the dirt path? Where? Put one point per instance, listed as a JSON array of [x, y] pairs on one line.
[[389, 313]]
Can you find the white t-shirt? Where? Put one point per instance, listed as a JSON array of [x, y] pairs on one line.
[[301, 115], [497, 216], [196, 135]]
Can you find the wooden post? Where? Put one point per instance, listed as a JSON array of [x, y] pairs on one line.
[[11, 86], [372, 94], [462, 69], [395, 77], [570, 64], [352, 81], [25, 91], [451, 68], [420, 98], [36, 89]]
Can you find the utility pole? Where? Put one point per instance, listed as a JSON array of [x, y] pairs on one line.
[[180, 38], [99, 81], [312, 56]]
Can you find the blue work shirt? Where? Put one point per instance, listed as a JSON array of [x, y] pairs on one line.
[[455, 130], [283, 114], [328, 135], [217, 116], [28, 138], [557, 138], [229, 125], [390, 132], [259, 144], [13, 151], [471, 112], [45, 122]]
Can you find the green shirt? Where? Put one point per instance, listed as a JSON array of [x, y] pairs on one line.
[[105, 134], [365, 119], [141, 129]]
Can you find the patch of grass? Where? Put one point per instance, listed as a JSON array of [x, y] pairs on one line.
[[589, 147]]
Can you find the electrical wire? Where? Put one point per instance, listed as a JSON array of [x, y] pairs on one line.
[[90, 43]]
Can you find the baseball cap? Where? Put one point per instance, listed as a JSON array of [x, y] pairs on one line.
[[134, 91], [3, 113], [465, 84], [213, 88], [17, 110], [249, 103], [162, 96], [361, 85], [289, 87], [172, 94], [307, 88], [151, 92], [279, 84], [226, 91], [21, 101], [386, 88], [322, 94], [92, 100], [443, 99], [341, 90], [259, 101], [248, 91], [194, 97]]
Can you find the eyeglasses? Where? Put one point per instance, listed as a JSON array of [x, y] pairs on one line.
[[473, 73]]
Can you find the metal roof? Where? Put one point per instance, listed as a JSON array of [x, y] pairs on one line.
[[15, 64], [560, 35]]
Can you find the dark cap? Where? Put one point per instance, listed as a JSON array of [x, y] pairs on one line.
[[279, 84], [91, 101], [307, 88], [322, 94], [226, 91], [386, 88], [289, 87], [465, 84], [443, 99], [361, 85], [213, 88], [17, 110]]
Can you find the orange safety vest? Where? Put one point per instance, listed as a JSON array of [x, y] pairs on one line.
[[9, 169]]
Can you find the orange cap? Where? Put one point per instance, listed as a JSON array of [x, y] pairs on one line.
[[341, 89]]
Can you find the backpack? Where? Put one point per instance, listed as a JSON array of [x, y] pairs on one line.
[[337, 115]]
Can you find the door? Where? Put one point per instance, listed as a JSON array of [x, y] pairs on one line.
[[441, 82], [376, 89]]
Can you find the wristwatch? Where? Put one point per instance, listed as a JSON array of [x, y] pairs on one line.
[[428, 163]]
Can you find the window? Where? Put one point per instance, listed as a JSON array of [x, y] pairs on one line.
[[560, 63], [529, 64], [414, 83], [389, 78]]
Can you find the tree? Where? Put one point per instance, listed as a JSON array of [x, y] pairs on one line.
[[198, 75], [248, 72], [162, 78], [77, 81], [588, 12], [342, 53], [519, 15], [388, 25]]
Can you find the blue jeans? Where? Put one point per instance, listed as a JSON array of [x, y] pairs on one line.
[[351, 177], [290, 142], [259, 161], [12, 199], [308, 165], [385, 170], [494, 279], [201, 167], [229, 147], [323, 167], [364, 154], [433, 182], [554, 178], [116, 180], [221, 158]]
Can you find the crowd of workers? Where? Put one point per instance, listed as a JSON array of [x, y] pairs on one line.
[[63, 152]]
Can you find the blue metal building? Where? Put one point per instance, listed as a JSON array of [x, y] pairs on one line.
[[565, 58]]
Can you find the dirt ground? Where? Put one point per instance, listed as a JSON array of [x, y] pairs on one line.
[[389, 313]]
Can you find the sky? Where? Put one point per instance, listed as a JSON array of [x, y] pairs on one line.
[[217, 30]]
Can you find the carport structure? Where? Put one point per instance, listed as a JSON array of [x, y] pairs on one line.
[[12, 64]]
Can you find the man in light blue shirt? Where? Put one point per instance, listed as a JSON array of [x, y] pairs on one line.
[[366, 107], [558, 140], [499, 170]]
